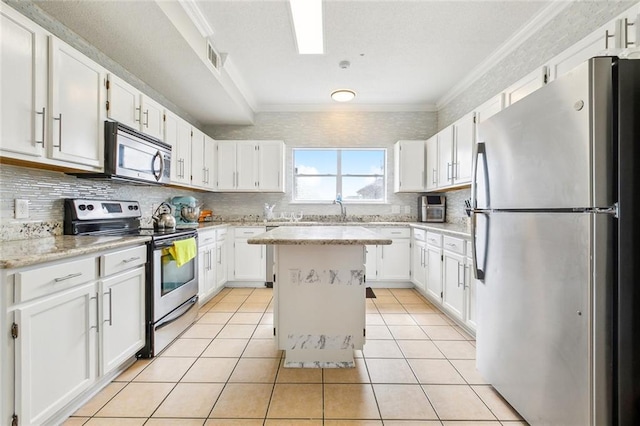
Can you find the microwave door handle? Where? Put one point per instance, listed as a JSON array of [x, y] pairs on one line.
[[158, 156]]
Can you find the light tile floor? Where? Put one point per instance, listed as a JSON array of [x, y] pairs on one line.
[[417, 368]]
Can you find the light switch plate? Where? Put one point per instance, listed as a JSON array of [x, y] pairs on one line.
[[407, 209], [21, 209], [395, 209]]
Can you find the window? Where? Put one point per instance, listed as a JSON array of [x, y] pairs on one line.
[[356, 174]]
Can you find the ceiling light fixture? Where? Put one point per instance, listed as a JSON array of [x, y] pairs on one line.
[[307, 24], [343, 95]]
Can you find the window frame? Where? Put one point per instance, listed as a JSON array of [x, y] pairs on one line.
[[339, 175]]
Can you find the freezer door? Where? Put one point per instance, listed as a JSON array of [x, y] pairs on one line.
[[536, 308], [552, 149]]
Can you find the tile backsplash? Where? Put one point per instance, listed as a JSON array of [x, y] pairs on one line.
[[45, 190]]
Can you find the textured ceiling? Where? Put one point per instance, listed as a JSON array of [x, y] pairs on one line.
[[405, 55]]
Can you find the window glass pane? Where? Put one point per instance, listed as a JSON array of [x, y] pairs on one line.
[[316, 161], [362, 162], [362, 188], [311, 188]]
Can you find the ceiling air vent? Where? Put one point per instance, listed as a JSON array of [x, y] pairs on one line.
[[213, 57]]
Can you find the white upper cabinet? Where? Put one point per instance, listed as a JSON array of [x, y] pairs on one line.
[[431, 169], [23, 54], [129, 106], [250, 166], [77, 106], [409, 166], [177, 133], [203, 161], [271, 161], [487, 110], [526, 85], [464, 136], [445, 157]]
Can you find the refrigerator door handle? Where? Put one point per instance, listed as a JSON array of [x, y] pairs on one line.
[[480, 150]]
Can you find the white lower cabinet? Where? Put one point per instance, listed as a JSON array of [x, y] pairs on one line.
[[221, 257], [123, 317], [249, 260], [55, 352], [74, 321], [390, 262], [207, 265], [442, 272]]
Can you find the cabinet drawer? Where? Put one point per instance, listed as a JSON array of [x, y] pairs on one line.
[[207, 236], [246, 232], [453, 244], [395, 232], [50, 279], [122, 260], [221, 233], [419, 234], [434, 239]]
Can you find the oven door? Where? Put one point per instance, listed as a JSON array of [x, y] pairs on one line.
[[172, 285]]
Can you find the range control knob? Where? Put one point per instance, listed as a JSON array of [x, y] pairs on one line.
[[135, 207], [130, 207], [82, 207], [90, 207]]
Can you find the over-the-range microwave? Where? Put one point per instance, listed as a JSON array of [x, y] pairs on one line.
[[133, 156]]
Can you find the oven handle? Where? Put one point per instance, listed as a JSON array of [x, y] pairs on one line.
[[175, 315], [158, 156]]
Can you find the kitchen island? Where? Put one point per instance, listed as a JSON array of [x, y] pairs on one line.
[[319, 292]]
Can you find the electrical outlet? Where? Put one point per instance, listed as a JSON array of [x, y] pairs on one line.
[[395, 209], [22, 209], [407, 209]]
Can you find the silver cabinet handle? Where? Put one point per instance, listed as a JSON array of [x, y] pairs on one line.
[[59, 120], [43, 126], [131, 259], [434, 176], [467, 276], [136, 117], [459, 265], [396, 232], [146, 113], [627, 24], [449, 167], [67, 277], [210, 260], [97, 309], [426, 258], [219, 255], [110, 320]]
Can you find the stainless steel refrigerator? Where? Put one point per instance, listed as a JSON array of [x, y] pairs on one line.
[[555, 225]]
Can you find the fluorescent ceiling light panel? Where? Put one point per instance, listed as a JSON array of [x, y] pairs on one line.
[[307, 23]]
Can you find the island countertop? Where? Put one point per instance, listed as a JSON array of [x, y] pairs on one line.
[[320, 235]]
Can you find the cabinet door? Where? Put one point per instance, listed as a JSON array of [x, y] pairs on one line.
[[445, 157], [55, 352], [470, 295], [197, 159], [371, 263], [152, 117], [206, 271], [246, 166], [271, 166], [453, 283], [434, 272], [123, 102], [418, 271], [77, 108], [178, 134], [409, 166], [221, 259], [431, 168], [226, 165], [23, 54], [487, 110], [464, 131], [528, 84], [209, 163], [395, 260], [249, 261], [123, 317]]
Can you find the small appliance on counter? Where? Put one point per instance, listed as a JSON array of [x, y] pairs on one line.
[[432, 208], [186, 211]]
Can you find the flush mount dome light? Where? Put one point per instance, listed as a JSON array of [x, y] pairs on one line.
[[343, 95]]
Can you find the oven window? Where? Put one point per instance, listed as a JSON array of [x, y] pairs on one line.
[[174, 277]]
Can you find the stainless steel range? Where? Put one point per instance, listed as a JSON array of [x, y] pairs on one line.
[[171, 291]]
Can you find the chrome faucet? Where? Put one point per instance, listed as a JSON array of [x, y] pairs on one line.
[[343, 210]]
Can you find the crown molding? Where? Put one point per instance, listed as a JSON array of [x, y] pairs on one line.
[[197, 17], [345, 107], [509, 46]]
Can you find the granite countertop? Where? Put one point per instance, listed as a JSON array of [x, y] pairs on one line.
[[320, 235], [449, 228], [19, 253]]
